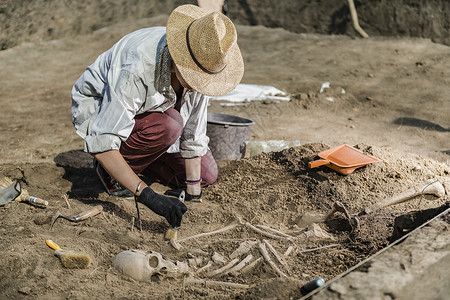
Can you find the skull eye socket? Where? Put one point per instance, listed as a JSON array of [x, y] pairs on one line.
[[153, 261]]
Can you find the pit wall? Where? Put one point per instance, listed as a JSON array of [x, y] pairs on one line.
[[43, 20]]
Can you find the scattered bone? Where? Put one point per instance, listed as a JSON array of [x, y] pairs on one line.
[[223, 269], [318, 248], [67, 200], [266, 233], [243, 248], [204, 268], [277, 256], [192, 262], [308, 218], [235, 270], [218, 258], [228, 227], [214, 283], [251, 265], [288, 251], [198, 252], [273, 230], [132, 224], [317, 231], [265, 254], [141, 265], [174, 244]]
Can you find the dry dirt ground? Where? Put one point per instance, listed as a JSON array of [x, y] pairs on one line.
[[395, 107]]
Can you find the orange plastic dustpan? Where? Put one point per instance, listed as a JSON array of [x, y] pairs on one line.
[[343, 159]]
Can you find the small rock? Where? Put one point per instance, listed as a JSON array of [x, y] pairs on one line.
[[338, 288], [370, 75], [26, 290], [369, 98]]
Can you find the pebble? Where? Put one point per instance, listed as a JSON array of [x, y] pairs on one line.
[[338, 288], [26, 290]]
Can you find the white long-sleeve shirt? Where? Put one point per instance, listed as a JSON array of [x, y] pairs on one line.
[[121, 84]]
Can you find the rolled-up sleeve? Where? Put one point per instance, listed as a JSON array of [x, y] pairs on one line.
[[194, 141]]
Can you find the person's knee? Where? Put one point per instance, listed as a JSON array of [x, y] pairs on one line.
[[172, 129], [210, 171]]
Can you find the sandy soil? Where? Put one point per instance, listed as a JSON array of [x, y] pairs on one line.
[[395, 107]]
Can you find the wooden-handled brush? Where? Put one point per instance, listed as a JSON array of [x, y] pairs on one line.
[[70, 259]]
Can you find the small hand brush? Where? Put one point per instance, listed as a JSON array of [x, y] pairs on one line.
[[70, 259]]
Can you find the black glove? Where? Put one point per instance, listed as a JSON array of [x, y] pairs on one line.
[[170, 208], [188, 197]]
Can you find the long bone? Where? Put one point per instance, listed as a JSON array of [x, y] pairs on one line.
[[265, 254], [251, 265], [235, 270], [277, 256], [223, 269], [228, 227], [223, 284]]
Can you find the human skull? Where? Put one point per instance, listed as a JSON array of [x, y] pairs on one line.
[[148, 266]]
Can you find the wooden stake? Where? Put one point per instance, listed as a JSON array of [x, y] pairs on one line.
[[354, 15]]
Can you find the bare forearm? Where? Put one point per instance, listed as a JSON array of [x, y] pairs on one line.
[[117, 167], [193, 172]]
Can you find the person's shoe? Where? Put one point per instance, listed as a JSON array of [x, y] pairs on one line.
[[112, 187]]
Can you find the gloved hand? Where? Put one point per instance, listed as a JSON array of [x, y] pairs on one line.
[[170, 208], [188, 197]]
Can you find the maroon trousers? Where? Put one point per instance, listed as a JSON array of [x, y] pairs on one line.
[[145, 150]]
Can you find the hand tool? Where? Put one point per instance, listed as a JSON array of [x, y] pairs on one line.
[[13, 191], [70, 259], [90, 212], [343, 159], [172, 232]]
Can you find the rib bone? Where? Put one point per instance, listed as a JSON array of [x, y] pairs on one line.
[[265, 254], [223, 269]]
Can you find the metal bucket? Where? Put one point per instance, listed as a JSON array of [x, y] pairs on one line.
[[228, 135]]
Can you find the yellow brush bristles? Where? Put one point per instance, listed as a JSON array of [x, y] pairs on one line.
[[74, 260]]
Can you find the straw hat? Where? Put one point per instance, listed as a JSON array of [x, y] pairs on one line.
[[204, 48]]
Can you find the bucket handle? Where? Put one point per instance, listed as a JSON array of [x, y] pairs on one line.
[[318, 163]]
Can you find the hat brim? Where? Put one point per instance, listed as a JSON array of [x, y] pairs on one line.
[[209, 84]]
